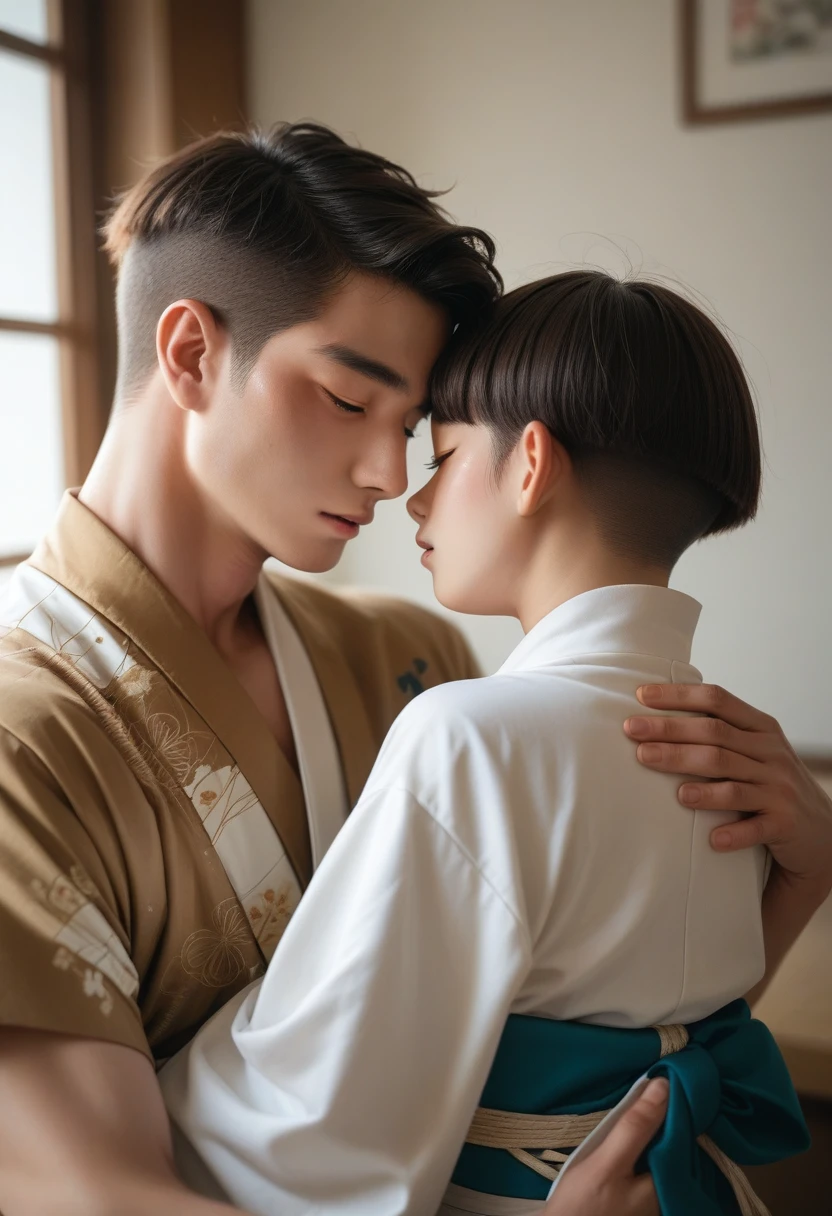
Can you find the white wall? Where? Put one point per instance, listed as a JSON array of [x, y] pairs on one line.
[[556, 122]]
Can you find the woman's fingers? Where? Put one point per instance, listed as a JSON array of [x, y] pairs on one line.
[[706, 699]]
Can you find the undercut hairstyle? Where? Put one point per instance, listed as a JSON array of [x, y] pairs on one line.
[[643, 390], [263, 227]]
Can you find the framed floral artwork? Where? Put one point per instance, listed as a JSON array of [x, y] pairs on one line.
[[747, 59]]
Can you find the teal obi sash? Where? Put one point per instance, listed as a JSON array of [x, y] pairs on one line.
[[729, 1082]]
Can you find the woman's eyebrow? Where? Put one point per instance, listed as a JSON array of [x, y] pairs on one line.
[[356, 362]]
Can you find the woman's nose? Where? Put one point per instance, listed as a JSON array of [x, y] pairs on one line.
[[416, 507]]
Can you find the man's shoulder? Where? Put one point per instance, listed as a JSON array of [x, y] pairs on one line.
[[29, 685], [50, 705], [48, 640], [45, 719], [370, 625]]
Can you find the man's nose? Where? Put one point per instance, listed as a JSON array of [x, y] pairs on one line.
[[384, 467]]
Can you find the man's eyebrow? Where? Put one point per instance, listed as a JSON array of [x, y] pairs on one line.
[[371, 368]]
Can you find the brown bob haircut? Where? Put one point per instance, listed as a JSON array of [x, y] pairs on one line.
[[262, 227], [641, 388]]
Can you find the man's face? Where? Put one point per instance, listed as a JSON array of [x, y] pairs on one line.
[[299, 458]]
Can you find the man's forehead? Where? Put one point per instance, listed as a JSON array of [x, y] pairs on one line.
[[382, 320]]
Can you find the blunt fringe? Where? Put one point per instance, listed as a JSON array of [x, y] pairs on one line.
[[262, 226], [637, 383]]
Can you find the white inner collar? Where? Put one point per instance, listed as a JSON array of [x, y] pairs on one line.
[[625, 619]]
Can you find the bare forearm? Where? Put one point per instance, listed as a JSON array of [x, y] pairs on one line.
[[789, 903], [65, 1199], [83, 1132], [173, 1200]]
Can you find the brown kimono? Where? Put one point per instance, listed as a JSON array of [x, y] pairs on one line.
[[153, 836]]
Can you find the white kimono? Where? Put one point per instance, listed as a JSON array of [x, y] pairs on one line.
[[508, 855]]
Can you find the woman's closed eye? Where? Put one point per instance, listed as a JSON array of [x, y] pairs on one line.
[[438, 459]]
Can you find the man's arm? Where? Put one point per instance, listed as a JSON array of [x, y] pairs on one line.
[[82, 1125], [83, 1130], [789, 904], [752, 768]]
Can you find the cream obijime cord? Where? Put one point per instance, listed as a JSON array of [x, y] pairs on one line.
[[550, 1134]]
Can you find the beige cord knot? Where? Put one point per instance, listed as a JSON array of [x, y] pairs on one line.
[[672, 1039], [550, 1135]]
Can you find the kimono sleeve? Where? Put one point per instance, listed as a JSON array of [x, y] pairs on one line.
[[63, 947], [348, 1083]]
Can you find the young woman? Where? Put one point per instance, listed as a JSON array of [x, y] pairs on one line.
[[518, 925]]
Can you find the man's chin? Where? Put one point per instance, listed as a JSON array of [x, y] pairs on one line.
[[314, 559]]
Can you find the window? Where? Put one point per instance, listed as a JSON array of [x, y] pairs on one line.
[[49, 402]]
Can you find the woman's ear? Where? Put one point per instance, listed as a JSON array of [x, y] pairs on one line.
[[188, 345], [543, 463]]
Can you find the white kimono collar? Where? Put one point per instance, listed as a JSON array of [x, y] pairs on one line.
[[628, 619]]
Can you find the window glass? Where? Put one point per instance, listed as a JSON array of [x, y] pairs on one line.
[[26, 18], [28, 287], [31, 458]]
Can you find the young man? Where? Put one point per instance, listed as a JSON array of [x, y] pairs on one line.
[[181, 737]]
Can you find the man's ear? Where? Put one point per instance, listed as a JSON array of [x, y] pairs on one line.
[[189, 343], [544, 462]]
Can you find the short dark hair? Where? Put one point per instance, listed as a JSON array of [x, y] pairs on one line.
[[262, 226], [638, 384]]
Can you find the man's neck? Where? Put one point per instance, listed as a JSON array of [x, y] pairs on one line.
[[140, 487]]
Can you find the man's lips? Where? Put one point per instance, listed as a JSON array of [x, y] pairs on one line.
[[348, 525]]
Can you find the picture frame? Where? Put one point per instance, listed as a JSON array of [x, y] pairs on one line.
[[754, 59]]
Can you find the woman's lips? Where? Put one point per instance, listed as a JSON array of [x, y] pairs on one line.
[[428, 549]]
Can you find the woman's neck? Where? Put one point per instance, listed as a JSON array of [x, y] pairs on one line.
[[564, 566]]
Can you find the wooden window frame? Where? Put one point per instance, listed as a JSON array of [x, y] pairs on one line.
[[76, 326]]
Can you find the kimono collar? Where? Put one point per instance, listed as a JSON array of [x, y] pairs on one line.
[[628, 619], [82, 554]]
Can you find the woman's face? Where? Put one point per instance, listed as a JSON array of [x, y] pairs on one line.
[[468, 522]]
